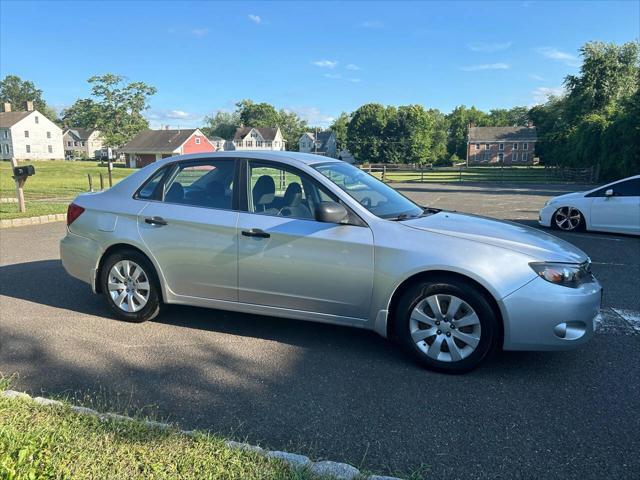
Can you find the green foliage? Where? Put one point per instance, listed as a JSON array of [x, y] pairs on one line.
[[597, 122], [17, 92], [120, 107], [366, 133], [339, 128], [84, 113], [459, 120], [222, 124]]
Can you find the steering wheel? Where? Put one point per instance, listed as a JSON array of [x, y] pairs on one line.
[[366, 202]]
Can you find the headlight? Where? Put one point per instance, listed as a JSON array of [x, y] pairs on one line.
[[568, 274]]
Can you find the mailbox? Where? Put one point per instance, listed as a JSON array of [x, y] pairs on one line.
[[24, 171]]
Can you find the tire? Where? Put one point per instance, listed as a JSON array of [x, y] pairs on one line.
[[144, 285], [568, 219], [473, 337]]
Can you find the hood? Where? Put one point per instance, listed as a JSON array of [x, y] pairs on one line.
[[566, 196], [513, 236]]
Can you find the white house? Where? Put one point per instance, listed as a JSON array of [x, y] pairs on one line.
[[321, 143], [251, 138], [29, 135], [82, 143]]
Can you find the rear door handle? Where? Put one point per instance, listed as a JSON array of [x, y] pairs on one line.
[[155, 221], [255, 232]]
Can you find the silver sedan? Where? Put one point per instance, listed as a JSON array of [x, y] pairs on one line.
[[307, 237]]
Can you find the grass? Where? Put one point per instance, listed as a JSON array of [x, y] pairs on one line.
[[472, 174], [53, 186], [38, 441]]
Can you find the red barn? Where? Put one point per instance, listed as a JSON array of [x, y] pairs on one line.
[[151, 145]]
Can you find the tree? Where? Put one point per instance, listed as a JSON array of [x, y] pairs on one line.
[[257, 114], [459, 120], [84, 113], [292, 127], [222, 124], [366, 133], [121, 105], [339, 128], [18, 92], [513, 117]]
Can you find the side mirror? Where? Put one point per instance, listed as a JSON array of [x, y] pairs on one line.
[[331, 212], [608, 192]]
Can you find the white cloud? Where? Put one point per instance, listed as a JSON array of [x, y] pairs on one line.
[[333, 75], [485, 66], [533, 76], [489, 47], [174, 118], [200, 32], [255, 18], [354, 80], [542, 94], [177, 114], [372, 24], [558, 55], [353, 66], [312, 115], [325, 63]]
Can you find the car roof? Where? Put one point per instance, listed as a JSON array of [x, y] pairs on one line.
[[291, 158]]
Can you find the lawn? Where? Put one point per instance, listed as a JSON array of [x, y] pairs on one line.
[[38, 441], [53, 186]]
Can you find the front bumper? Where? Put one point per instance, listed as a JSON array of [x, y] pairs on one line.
[[545, 316], [546, 215], [80, 257]]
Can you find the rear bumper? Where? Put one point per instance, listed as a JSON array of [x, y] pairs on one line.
[[80, 257], [544, 316]]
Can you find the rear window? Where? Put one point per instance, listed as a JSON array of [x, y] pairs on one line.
[[148, 190]]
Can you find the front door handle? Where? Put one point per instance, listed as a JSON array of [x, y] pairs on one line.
[[255, 232], [155, 221]]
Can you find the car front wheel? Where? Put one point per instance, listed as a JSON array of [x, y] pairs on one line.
[[568, 219], [129, 285], [446, 325]]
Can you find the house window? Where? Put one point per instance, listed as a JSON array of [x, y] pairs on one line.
[[254, 135], [515, 156], [275, 143], [501, 146], [525, 157], [259, 143], [525, 146], [48, 134], [26, 134], [486, 146], [69, 143], [197, 140], [75, 144], [28, 148], [37, 119], [268, 143], [515, 146], [5, 133], [477, 146], [239, 143], [501, 157], [249, 143], [50, 148], [82, 143]]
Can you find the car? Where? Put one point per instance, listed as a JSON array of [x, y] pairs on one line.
[[614, 208], [307, 237]]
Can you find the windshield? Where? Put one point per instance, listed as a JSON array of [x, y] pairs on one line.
[[371, 193]]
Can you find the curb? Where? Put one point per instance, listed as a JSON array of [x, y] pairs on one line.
[[19, 222], [321, 469]]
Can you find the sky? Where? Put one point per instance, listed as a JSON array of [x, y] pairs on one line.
[[315, 58]]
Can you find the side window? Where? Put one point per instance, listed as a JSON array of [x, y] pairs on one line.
[[282, 192], [207, 184], [148, 189], [630, 188]]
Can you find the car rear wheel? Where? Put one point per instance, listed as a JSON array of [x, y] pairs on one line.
[[130, 286], [568, 219], [446, 325]]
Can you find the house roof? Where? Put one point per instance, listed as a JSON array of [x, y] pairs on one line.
[[80, 133], [215, 138], [267, 133], [163, 141], [503, 134], [321, 137], [9, 119]]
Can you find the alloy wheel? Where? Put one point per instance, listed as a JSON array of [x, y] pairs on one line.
[[128, 286], [568, 218], [445, 327]]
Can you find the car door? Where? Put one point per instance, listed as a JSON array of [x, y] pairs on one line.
[[190, 228], [619, 212], [287, 259]]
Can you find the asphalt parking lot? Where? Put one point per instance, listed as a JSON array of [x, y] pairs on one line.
[[339, 393]]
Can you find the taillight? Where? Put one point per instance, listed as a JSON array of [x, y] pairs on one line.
[[73, 212]]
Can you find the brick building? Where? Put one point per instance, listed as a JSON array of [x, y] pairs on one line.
[[501, 145]]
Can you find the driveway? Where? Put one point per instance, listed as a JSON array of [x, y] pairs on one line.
[[339, 393]]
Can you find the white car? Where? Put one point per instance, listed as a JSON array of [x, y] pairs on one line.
[[612, 208]]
